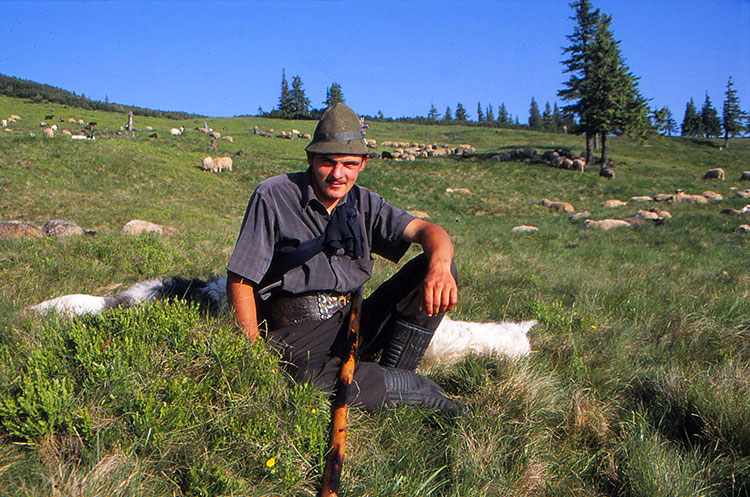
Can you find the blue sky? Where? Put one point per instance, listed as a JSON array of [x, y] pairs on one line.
[[226, 58]]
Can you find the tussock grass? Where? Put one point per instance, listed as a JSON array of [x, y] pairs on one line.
[[637, 384]]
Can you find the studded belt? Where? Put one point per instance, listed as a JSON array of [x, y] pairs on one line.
[[290, 310]]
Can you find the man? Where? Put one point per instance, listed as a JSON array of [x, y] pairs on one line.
[[306, 244]]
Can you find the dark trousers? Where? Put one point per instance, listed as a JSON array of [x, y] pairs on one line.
[[312, 350]]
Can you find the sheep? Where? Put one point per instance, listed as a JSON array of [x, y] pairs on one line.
[[215, 134], [81, 122], [717, 173], [712, 195], [53, 127], [663, 197], [739, 212], [643, 198], [613, 203], [524, 229], [67, 132], [71, 120], [579, 215], [557, 206], [684, 198], [745, 176], [5, 123], [460, 191], [661, 213], [579, 165], [48, 132], [18, 229], [744, 228], [61, 227], [43, 124], [217, 165], [607, 172], [139, 227], [228, 138], [743, 193], [605, 224], [16, 117], [296, 132]]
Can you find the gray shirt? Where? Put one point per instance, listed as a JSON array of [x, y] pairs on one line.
[[284, 212]]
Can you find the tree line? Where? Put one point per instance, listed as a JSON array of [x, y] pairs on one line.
[[42, 93]]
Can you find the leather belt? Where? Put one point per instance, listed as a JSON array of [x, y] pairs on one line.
[[289, 310]]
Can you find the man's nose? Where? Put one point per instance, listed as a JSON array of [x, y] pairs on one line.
[[338, 170]]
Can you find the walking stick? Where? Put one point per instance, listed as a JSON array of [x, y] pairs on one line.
[[339, 407]]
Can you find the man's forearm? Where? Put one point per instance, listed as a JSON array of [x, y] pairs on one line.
[[241, 297]]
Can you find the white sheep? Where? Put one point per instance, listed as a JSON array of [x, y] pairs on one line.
[[557, 206], [717, 173], [606, 224]]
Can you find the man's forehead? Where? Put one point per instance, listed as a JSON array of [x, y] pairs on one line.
[[339, 158]]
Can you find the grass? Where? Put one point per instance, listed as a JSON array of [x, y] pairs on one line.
[[637, 384]]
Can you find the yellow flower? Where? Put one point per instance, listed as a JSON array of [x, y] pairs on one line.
[[271, 462], [313, 410], [593, 326]]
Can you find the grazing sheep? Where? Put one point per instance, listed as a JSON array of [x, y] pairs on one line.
[[663, 197], [642, 198], [685, 198], [580, 215], [17, 229], [744, 228], [557, 206], [737, 212], [139, 227], [48, 132], [16, 117], [743, 193], [307, 136], [61, 227], [745, 176], [215, 134], [717, 173], [81, 122], [711, 195], [217, 165], [613, 203], [175, 132], [228, 138], [580, 165], [43, 124], [67, 132], [524, 229], [661, 213], [606, 224], [606, 172], [460, 191]]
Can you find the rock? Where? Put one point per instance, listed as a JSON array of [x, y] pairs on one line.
[[419, 214], [61, 227]]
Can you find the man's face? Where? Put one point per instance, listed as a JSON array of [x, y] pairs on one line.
[[334, 175]]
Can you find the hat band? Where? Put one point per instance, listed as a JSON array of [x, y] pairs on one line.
[[338, 137]]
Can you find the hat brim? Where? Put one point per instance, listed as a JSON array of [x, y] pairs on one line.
[[352, 147]]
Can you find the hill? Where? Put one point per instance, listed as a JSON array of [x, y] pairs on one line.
[[637, 384], [39, 93]]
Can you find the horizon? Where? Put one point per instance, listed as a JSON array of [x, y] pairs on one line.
[[397, 63]]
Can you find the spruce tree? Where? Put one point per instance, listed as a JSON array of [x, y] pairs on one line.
[[433, 115], [557, 119], [286, 105], [691, 122], [578, 65], [732, 114], [448, 116], [502, 116], [300, 102], [547, 118], [480, 113], [711, 124], [334, 95], [461, 114], [535, 118], [489, 116]]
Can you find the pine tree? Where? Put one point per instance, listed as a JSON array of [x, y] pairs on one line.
[[710, 121], [461, 114], [547, 118], [448, 116], [691, 122], [535, 118], [490, 116], [732, 114], [557, 119], [334, 95], [300, 102], [578, 65], [286, 105], [502, 116], [433, 115], [480, 113], [663, 121]]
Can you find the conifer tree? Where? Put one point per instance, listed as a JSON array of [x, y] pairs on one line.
[[691, 122], [448, 116], [334, 95], [535, 118], [300, 102], [556, 119], [547, 118], [578, 65], [433, 115], [286, 105], [480, 113], [502, 116], [490, 116], [732, 114], [711, 124], [461, 114]]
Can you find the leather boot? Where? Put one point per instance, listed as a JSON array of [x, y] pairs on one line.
[[403, 387], [406, 346]]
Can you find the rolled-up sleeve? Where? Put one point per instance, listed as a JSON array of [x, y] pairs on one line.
[[254, 248]]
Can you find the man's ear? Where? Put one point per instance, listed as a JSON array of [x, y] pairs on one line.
[[364, 162], [310, 157]]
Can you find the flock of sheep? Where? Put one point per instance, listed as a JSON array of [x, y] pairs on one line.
[[62, 228]]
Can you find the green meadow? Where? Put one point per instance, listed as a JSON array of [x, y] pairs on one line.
[[638, 383]]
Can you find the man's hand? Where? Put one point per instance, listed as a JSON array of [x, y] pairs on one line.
[[439, 292]]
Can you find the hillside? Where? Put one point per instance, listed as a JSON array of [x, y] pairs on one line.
[[637, 384]]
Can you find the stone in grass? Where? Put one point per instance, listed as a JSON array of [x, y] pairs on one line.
[[18, 229], [61, 227]]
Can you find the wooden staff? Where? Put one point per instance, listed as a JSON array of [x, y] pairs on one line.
[[339, 406]]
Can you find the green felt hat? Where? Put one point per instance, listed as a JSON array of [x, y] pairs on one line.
[[339, 131]]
